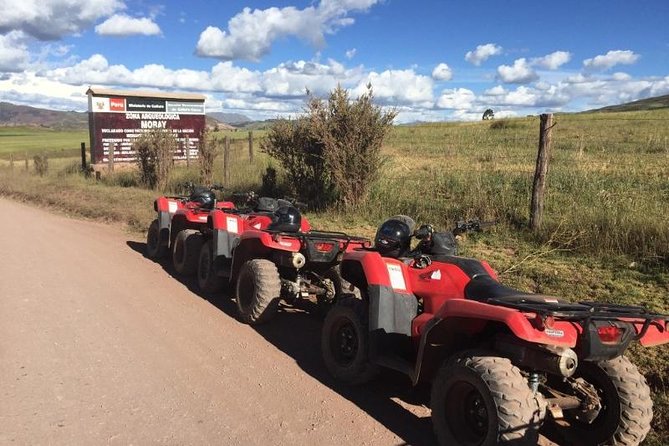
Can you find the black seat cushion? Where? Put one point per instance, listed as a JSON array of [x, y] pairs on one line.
[[483, 287]]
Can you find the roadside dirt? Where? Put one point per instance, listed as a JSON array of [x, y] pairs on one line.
[[99, 344]]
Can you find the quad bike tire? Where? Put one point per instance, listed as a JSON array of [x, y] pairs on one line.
[[484, 400], [155, 248], [186, 251], [207, 280], [627, 408], [345, 342], [258, 291]]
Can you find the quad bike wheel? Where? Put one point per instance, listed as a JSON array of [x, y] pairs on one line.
[[345, 342], [627, 408], [207, 279], [258, 291], [155, 248], [186, 251], [484, 401]]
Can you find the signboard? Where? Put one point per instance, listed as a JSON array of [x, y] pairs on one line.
[[115, 123]]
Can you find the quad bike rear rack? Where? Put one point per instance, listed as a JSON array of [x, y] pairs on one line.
[[585, 312], [320, 235]]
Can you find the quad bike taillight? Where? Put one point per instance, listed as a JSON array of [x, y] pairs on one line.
[[323, 246], [610, 334]]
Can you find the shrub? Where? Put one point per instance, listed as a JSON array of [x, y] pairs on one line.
[[155, 150], [331, 155], [210, 146], [41, 164]]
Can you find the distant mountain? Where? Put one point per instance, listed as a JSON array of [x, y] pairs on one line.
[[235, 119], [23, 115], [643, 104]]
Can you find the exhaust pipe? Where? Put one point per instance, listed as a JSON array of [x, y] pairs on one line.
[[561, 361], [298, 260]]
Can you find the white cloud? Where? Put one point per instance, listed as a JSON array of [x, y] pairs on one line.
[[399, 87], [620, 76], [13, 52], [442, 72], [121, 25], [251, 33], [552, 61], [519, 73], [53, 19], [483, 53], [350, 54], [456, 99], [611, 59]]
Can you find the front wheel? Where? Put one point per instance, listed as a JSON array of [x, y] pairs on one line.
[[186, 251], [345, 342], [155, 248], [258, 291], [484, 401], [207, 279], [627, 408]]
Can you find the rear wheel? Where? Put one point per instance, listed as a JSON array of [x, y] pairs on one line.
[[186, 251], [258, 291], [155, 248], [484, 401], [627, 408], [207, 279], [345, 342]]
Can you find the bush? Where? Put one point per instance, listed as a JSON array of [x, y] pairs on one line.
[[41, 164], [209, 149], [155, 152], [331, 155]]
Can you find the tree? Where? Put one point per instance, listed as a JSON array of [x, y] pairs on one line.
[[488, 114], [332, 153]]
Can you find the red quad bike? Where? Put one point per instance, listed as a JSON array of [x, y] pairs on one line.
[[501, 361], [271, 254], [178, 224]]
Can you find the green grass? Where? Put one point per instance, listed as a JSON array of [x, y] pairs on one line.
[[605, 235], [33, 140]]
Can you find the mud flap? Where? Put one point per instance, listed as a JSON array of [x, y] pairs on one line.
[[391, 312], [164, 221], [223, 243]]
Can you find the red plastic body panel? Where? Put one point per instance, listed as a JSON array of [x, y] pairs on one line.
[[273, 241], [232, 223], [657, 333]]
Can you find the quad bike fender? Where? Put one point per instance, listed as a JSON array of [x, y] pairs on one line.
[[657, 332], [392, 305], [273, 241], [225, 231], [254, 244], [561, 334]]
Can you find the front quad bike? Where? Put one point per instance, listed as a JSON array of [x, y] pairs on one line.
[[176, 229], [501, 361], [267, 257]]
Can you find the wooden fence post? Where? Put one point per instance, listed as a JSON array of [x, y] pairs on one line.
[[251, 147], [111, 157], [83, 156], [539, 185], [226, 160]]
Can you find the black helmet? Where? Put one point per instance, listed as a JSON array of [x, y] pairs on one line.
[[286, 219], [204, 197], [393, 238]]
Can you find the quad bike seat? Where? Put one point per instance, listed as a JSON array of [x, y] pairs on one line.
[[483, 288]]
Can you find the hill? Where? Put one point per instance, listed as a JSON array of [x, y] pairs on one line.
[[234, 119], [24, 116], [643, 104]]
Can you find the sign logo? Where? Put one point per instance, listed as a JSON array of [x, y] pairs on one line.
[[117, 104], [100, 104]]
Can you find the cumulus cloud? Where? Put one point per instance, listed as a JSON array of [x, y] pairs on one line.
[[442, 72], [350, 54], [13, 52], [456, 99], [120, 25], [611, 59], [552, 61], [399, 87], [519, 73], [53, 19], [251, 33], [483, 53]]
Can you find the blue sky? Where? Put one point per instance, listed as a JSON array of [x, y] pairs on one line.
[[432, 60]]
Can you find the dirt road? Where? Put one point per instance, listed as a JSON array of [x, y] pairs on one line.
[[100, 345]]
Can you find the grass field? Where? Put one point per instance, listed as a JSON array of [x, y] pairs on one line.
[[605, 235], [34, 140]]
